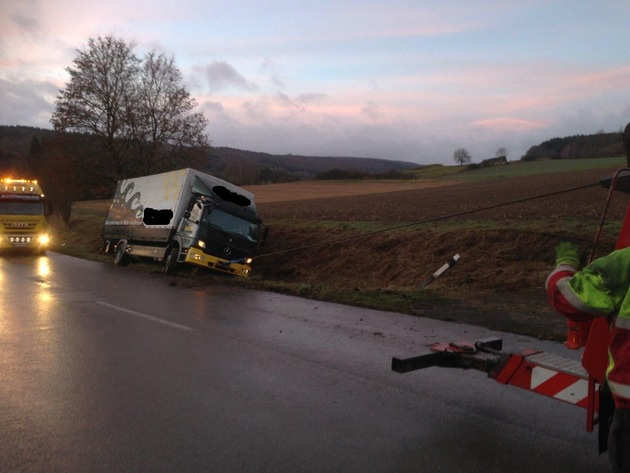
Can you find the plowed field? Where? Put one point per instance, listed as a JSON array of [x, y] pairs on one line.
[[410, 202]]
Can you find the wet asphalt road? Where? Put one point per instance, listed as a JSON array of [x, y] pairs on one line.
[[115, 370]]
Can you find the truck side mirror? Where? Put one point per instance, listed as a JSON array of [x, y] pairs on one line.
[[187, 214], [48, 208]]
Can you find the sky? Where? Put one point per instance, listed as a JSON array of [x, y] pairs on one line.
[[400, 80]]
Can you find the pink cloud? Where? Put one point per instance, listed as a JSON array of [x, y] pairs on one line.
[[512, 124], [616, 78]]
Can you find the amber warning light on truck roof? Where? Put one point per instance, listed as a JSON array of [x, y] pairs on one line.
[[26, 186]]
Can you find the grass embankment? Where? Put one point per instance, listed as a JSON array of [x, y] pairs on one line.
[[82, 238], [515, 168]]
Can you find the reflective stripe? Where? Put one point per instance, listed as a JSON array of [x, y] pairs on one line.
[[620, 390], [559, 269], [565, 267], [574, 300]]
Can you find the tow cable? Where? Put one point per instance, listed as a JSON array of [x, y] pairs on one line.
[[430, 220], [600, 227]]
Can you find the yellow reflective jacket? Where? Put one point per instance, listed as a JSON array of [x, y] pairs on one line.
[[603, 288]]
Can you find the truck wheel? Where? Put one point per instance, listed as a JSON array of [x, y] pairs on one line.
[[170, 262], [121, 258]]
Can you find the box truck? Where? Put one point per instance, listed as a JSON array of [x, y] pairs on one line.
[[183, 217], [23, 212]]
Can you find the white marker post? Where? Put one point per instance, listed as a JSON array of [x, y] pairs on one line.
[[439, 272]]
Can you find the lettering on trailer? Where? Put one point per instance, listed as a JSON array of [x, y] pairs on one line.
[[559, 385], [126, 206]]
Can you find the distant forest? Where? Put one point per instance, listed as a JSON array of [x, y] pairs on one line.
[[24, 150], [599, 145]]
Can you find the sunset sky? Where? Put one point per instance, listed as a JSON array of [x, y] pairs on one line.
[[403, 80]]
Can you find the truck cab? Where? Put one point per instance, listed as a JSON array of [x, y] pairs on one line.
[[23, 212], [219, 234]]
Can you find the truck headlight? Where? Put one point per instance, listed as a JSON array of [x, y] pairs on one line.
[[43, 239], [201, 243], [248, 260]]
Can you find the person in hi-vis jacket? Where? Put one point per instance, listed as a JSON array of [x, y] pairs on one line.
[[601, 289]]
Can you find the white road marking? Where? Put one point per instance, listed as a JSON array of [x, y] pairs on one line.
[[145, 316]]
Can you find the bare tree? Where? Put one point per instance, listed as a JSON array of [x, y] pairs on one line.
[[97, 98], [462, 156], [138, 109], [164, 126]]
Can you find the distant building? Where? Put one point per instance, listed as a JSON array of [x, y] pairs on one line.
[[494, 161]]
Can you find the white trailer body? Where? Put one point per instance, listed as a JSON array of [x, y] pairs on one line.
[[183, 216]]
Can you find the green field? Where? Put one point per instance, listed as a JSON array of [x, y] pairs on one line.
[[516, 168]]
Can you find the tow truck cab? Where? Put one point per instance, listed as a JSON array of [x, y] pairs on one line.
[[23, 212]]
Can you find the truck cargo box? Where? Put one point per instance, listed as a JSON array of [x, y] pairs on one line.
[[150, 207]]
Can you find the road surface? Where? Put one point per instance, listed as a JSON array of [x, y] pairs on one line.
[[108, 369]]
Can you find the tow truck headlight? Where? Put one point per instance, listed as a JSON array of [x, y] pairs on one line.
[[248, 260], [201, 243], [43, 239]]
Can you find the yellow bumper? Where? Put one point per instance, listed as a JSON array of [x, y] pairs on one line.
[[199, 258]]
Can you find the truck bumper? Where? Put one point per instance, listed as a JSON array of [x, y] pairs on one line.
[[25, 242], [197, 257]]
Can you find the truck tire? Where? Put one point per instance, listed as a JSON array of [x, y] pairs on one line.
[[170, 261], [121, 258]]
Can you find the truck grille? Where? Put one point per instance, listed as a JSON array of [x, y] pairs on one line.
[[20, 229], [226, 251]]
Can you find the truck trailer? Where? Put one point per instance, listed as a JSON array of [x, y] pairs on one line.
[[23, 212], [183, 216]]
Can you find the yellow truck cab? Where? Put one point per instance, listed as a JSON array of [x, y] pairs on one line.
[[23, 211]]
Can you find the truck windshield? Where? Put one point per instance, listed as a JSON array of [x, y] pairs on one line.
[[231, 224], [21, 208]]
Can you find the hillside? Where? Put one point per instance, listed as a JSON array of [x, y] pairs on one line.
[[599, 145], [21, 146], [300, 167], [17, 144]]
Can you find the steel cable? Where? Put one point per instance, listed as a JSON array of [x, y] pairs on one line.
[[428, 220]]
